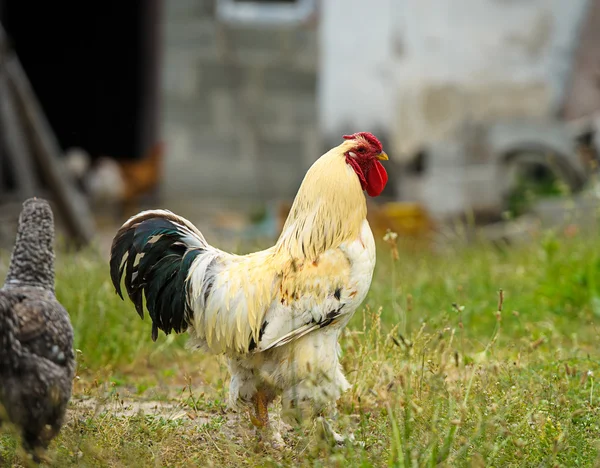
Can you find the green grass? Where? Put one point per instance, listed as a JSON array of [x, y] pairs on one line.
[[443, 371]]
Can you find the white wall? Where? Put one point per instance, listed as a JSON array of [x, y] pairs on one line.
[[355, 70], [416, 68]]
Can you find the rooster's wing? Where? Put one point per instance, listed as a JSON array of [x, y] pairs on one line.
[[318, 294]]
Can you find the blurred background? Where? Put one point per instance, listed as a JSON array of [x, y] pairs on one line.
[[215, 109]]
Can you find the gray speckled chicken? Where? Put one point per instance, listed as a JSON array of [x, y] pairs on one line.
[[37, 362]]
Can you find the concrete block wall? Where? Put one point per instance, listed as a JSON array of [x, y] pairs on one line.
[[239, 106]]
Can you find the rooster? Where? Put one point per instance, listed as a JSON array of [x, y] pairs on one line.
[[276, 314]]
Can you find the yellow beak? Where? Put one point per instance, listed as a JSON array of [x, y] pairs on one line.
[[382, 156]]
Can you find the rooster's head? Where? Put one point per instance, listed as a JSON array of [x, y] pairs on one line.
[[363, 153]]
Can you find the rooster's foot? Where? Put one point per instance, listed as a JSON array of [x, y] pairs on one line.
[[267, 435], [334, 438]]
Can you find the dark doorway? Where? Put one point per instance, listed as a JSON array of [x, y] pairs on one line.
[[94, 67]]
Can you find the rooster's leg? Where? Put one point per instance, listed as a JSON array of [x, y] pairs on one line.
[[261, 406], [260, 419]]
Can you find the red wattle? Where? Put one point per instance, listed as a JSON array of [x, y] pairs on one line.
[[377, 177], [358, 170]]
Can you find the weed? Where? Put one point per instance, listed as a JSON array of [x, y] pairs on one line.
[[483, 357]]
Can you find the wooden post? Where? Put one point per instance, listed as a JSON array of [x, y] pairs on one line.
[[13, 136], [72, 206]]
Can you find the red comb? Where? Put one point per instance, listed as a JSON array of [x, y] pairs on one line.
[[372, 139]]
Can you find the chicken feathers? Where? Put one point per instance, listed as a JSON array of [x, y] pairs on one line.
[[269, 311], [37, 362]]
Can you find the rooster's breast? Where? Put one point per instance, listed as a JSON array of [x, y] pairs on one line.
[[361, 256]]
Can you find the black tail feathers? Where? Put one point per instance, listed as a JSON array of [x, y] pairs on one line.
[[154, 252]]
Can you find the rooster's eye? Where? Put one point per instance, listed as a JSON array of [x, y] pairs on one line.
[[362, 149]]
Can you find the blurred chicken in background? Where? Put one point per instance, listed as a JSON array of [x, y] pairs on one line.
[[121, 184]]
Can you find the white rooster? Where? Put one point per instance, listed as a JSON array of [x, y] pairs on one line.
[[276, 314]]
